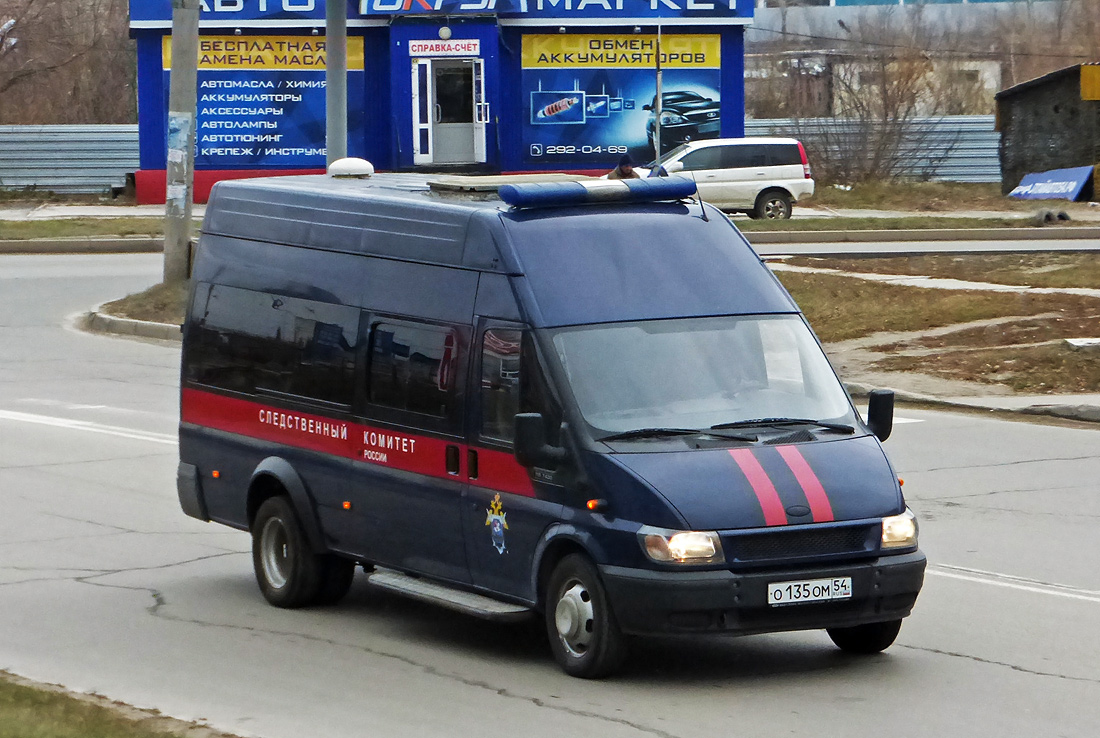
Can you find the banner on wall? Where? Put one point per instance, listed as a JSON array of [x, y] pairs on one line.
[[590, 98], [261, 100]]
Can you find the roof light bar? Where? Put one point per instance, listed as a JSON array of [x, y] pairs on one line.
[[558, 194]]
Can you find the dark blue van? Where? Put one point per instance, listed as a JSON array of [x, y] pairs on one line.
[[588, 401]]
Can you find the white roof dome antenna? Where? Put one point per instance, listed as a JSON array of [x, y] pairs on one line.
[[350, 168]]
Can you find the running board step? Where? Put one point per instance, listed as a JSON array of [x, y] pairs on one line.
[[470, 603]]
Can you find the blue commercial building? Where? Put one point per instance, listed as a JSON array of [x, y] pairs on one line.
[[493, 85]]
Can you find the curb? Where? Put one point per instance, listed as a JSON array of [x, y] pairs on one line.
[[930, 234], [109, 245], [97, 322]]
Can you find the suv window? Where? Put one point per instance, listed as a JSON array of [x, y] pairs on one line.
[[743, 155], [783, 155], [413, 367], [708, 158]]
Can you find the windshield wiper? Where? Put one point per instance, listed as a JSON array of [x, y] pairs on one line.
[[785, 421], [650, 433], [658, 432]]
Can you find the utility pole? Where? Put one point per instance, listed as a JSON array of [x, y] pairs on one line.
[[658, 104], [336, 79], [181, 140]]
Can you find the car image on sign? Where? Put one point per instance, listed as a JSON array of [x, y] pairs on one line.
[[811, 590]]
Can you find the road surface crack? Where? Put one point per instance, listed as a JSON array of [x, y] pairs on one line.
[[991, 662]]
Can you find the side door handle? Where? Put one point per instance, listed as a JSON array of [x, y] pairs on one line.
[[452, 458]]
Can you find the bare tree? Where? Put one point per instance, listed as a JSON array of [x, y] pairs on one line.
[[66, 61]]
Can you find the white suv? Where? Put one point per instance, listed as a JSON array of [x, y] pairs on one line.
[[758, 176]]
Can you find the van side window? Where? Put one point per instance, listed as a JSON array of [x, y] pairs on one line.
[[743, 155], [256, 342], [413, 367], [708, 158], [500, 374]]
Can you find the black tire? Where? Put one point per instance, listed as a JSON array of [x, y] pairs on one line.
[[584, 637], [288, 572], [772, 205], [336, 579], [865, 639]]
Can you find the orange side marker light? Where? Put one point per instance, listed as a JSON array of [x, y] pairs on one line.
[[901, 482], [216, 474], [347, 505]]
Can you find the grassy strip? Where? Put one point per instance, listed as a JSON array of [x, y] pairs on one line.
[[160, 303], [926, 197], [26, 712], [1058, 270], [15, 230], [841, 308], [1034, 369]]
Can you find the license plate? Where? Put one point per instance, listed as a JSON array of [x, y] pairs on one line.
[[810, 590]]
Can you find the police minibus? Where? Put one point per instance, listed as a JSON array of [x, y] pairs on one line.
[[586, 401]]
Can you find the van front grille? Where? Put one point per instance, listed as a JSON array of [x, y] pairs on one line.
[[801, 542]]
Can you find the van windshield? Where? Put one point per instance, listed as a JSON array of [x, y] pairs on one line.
[[700, 372]]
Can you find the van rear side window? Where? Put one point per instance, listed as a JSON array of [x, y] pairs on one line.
[[258, 342], [413, 367]]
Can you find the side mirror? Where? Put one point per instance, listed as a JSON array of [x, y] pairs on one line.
[[647, 107], [530, 444], [674, 166], [880, 412]]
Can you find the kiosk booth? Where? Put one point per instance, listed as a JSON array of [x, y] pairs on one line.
[[445, 85]]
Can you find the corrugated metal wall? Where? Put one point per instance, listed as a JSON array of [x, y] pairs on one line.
[[955, 148], [71, 159], [81, 159]]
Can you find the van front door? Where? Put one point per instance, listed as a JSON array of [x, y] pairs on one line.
[[449, 111], [507, 511]]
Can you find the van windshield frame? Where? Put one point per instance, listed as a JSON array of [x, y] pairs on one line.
[[695, 373]]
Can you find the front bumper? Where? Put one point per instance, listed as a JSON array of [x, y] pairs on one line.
[[649, 602]]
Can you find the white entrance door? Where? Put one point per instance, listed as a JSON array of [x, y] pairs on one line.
[[449, 111]]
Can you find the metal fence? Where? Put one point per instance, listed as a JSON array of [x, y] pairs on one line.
[[70, 159], [955, 148], [83, 159]]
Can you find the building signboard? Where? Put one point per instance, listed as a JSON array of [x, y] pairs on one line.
[[590, 97], [261, 100]]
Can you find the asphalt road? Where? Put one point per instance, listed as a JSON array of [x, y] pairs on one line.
[[106, 586]]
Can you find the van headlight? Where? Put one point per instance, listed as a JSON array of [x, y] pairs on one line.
[[900, 531], [681, 547]]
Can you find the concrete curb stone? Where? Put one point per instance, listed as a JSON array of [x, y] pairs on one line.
[[98, 322]]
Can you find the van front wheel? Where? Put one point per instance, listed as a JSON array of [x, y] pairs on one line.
[[870, 638], [584, 636], [288, 572], [772, 205]]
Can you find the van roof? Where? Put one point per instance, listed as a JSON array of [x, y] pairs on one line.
[[649, 260]]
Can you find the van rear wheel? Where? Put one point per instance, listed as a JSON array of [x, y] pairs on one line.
[[870, 638], [584, 636], [772, 205], [288, 572]]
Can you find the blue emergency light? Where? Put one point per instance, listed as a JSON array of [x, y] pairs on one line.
[[558, 194]]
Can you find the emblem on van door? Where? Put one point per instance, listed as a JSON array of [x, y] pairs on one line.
[[497, 523]]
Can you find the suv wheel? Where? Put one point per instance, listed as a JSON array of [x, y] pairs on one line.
[[772, 205]]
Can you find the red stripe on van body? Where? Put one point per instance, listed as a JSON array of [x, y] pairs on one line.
[[820, 507], [396, 449], [762, 486]]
